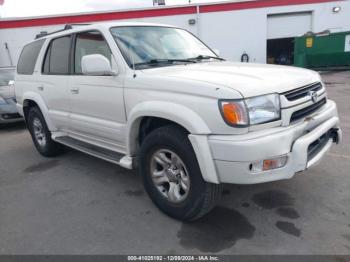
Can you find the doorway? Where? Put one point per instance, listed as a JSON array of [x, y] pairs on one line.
[[281, 31], [280, 51]]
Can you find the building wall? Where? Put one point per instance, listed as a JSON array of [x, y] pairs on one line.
[[232, 32]]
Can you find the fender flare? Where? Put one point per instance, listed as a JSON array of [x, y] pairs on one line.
[[179, 114], [32, 96], [184, 117]]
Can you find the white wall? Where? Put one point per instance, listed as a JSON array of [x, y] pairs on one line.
[[232, 32], [325, 19]]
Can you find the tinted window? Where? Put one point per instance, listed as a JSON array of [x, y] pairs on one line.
[[29, 55], [57, 56], [46, 66], [6, 75], [89, 43]]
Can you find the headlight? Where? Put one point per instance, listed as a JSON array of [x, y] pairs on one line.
[[251, 111], [2, 101], [264, 109]]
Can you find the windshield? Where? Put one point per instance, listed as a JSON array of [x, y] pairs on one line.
[[152, 46], [5, 76]]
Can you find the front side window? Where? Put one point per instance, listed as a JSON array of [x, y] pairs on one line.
[[142, 46], [28, 57], [57, 56], [90, 43]]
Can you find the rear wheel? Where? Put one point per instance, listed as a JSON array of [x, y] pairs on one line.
[[41, 135], [172, 177]]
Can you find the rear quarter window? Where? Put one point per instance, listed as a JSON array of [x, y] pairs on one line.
[[28, 57]]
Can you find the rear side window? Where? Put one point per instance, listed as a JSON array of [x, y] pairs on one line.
[[89, 43], [28, 57], [57, 56]]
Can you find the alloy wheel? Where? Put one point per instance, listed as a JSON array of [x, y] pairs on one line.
[[170, 175]]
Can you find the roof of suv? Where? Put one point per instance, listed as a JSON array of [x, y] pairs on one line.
[[83, 27]]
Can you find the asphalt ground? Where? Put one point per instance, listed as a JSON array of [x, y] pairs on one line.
[[77, 204]]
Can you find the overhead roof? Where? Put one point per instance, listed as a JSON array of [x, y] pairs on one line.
[[148, 12]]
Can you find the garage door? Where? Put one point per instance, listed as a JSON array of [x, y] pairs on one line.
[[288, 25]]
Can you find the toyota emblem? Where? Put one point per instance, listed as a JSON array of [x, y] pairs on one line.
[[314, 96]]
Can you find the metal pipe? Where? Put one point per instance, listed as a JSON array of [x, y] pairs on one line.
[[9, 53]]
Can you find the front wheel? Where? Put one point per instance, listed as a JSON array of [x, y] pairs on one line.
[[172, 177]]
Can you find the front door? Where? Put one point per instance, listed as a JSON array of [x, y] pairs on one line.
[[96, 102]]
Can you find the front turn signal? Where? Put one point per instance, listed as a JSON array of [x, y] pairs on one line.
[[234, 112]]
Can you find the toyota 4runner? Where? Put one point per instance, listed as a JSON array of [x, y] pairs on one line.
[[157, 98]]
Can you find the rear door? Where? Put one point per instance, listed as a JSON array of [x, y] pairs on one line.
[[54, 78], [96, 102]]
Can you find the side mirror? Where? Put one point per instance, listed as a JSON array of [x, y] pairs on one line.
[[96, 65], [11, 82], [216, 51]]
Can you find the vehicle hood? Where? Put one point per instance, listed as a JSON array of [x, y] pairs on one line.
[[247, 78], [7, 91]]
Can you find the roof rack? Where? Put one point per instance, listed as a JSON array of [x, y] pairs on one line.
[[7, 67], [66, 27]]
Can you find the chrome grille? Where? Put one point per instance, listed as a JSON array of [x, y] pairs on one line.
[[307, 110], [302, 92]]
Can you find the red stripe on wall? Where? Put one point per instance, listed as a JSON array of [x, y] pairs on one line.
[[257, 4], [96, 17], [85, 18]]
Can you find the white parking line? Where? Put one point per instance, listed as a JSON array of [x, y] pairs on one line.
[[338, 155]]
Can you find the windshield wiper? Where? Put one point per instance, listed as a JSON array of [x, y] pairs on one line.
[[166, 61], [203, 57], [155, 62]]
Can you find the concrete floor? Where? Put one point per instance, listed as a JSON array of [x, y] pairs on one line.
[[77, 204]]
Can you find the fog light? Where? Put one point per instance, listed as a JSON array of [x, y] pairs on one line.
[[268, 164]]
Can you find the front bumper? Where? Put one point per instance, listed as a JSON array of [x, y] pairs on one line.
[[234, 154], [9, 113]]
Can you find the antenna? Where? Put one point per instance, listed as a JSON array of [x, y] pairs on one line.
[[132, 60]]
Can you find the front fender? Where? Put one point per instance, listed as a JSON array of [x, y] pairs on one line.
[[32, 96], [184, 117]]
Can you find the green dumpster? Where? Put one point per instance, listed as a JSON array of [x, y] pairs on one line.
[[323, 51]]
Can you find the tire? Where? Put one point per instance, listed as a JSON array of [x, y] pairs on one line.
[[171, 142], [41, 135]]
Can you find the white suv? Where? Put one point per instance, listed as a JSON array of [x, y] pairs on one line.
[[157, 98]]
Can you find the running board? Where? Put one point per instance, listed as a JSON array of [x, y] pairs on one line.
[[100, 152]]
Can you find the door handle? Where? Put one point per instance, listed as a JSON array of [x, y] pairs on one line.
[[40, 88], [74, 90]]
